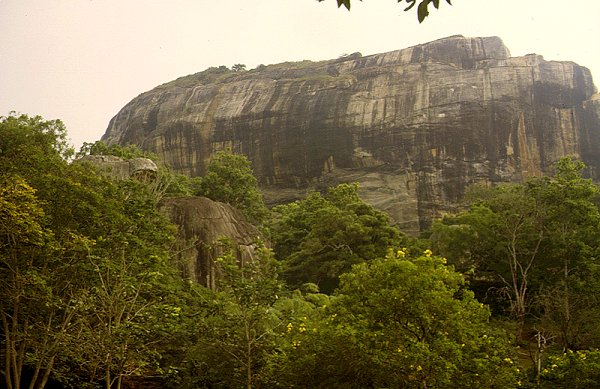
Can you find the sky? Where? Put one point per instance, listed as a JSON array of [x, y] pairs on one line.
[[81, 61]]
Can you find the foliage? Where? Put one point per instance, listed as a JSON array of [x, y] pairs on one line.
[[89, 298], [535, 243], [166, 183], [573, 370], [396, 322], [229, 179], [25, 250], [125, 152], [321, 237], [238, 67], [84, 260], [236, 332], [422, 9]]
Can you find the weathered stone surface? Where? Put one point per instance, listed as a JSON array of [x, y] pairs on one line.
[[142, 168], [202, 223], [414, 127]]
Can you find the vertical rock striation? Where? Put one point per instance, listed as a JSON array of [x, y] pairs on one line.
[[202, 225], [414, 127]]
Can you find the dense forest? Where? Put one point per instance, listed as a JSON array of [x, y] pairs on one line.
[[503, 294]]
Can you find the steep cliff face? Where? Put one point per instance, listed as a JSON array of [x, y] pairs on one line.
[[202, 224], [414, 127]]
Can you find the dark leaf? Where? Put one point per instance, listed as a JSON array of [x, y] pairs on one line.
[[422, 11], [412, 4], [345, 3]]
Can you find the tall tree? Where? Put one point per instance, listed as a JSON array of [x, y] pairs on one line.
[[237, 332], [35, 311], [230, 179], [81, 255], [321, 237], [568, 292], [539, 236]]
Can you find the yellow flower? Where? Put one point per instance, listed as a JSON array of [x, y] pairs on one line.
[[290, 327], [302, 328], [296, 343], [400, 254], [419, 368], [427, 253]]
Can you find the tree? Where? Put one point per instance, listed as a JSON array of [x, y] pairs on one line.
[[568, 295], [422, 9], [229, 179], [572, 370], [238, 67], [539, 239], [321, 237], [34, 317], [237, 332], [118, 330], [81, 256], [38, 297], [398, 322], [124, 152], [508, 225]]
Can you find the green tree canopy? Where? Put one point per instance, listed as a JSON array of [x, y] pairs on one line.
[[534, 243], [83, 262], [403, 323], [235, 333], [229, 179], [321, 237]]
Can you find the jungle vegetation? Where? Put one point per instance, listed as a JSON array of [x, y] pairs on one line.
[[503, 294]]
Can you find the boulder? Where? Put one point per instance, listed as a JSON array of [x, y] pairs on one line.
[[205, 229], [143, 169]]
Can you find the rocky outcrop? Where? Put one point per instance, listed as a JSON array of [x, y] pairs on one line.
[[202, 225], [143, 169], [414, 127], [206, 229]]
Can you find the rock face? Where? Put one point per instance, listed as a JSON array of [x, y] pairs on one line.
[[414, 127], [143, 169], [202, 224]]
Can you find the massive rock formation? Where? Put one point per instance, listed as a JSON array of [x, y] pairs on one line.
[[202, 224], [414, 127]]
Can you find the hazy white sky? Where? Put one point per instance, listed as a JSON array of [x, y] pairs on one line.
[[83, 60]]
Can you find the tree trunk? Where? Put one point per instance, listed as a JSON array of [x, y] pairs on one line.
[[567, 307], [248, 359], [7, 355], [47, 373], [107, 378]]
